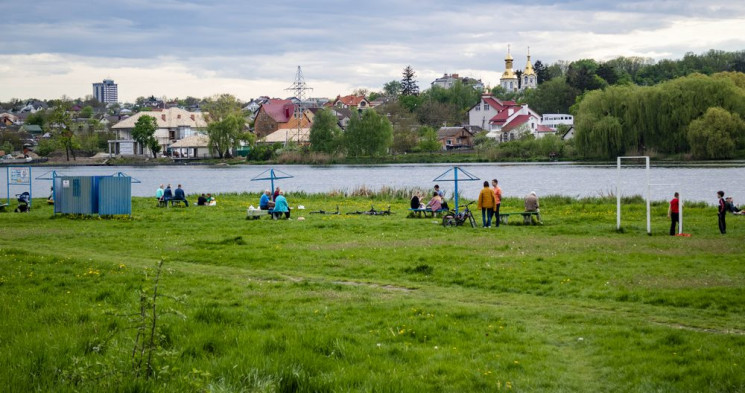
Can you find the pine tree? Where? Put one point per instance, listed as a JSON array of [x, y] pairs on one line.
[[408, 83]]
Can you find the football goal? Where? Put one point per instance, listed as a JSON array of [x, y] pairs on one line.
[[647, 193]]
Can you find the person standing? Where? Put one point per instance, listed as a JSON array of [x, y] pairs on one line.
[[497, 199], [486, 204], [673, 213], [722, 212]]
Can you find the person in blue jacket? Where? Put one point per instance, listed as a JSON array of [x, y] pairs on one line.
[[281, 206], [180, 196]]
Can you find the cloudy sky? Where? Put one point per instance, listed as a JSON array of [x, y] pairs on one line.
[[179, 48]]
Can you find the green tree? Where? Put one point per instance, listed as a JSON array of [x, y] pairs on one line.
[[552, 96], [39, 118], [429, 141], [144, 134], [63, 132], [369, 134], [86, 112], [404, 124], [408, 83], [582, 75], [226, 124], [325, 132], [716, 134], [392, 89]]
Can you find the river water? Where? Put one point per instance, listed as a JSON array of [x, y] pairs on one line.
[[515, 179]]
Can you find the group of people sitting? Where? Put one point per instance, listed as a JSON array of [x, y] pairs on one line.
[[165, 195], [276, 203], [206, 200], [437, 203]]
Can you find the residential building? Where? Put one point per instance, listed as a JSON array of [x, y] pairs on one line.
[[107, 91], [300, 136], [276, 114], [455, 137], [352, 102], [195, 146], [553, 120], [506, 120], [173, 124], [447, 81]]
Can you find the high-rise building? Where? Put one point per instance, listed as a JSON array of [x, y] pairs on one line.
[[106, 92]]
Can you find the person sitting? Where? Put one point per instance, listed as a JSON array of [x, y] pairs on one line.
[[50, 200], [276, 193], [435, 204], [730, 206], [211, 201], [266, 202], [281, 206], [179, 195], [532, 205], [159, 193], [202, 200], [167, 194], [416, 201]]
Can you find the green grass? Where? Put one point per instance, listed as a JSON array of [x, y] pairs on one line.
[[374, 304]]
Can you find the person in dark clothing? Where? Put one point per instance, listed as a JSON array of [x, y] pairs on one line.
[[673, 213], [202, 200], [722, 212], [180, 196], [416, 201], [167, 193]]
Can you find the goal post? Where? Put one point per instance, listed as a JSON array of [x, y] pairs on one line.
[[647, 193]]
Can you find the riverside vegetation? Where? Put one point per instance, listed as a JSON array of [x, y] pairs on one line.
[[360, 303]]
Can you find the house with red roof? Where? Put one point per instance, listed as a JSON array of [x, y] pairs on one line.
[[277, 114], [506, 120], [352, 102]]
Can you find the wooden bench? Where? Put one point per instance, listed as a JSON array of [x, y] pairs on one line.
[[177, 202], [426, 211], [504, 218]]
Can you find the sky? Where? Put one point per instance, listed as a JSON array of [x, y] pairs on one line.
[[199, 48]]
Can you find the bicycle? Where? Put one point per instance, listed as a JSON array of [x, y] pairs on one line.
[[452, 219], [325, 212], [372, 212]]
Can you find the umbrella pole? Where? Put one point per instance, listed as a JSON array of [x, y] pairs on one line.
[[456, 189]]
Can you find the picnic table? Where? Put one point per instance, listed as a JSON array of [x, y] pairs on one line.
[[504, 218], [427, 212]]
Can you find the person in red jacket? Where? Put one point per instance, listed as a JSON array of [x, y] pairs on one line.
[[722, 212], [673, 213]]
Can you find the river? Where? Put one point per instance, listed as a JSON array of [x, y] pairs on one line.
[[516, 179]]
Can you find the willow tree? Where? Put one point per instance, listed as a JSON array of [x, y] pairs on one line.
[[655, 118], [369, 134], [716, 134], [226, 124]]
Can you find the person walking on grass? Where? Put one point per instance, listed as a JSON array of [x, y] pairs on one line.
[[487, 205], [722, 212], [673, 213], [497, 200]]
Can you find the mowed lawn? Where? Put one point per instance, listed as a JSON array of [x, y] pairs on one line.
[[354, 303]]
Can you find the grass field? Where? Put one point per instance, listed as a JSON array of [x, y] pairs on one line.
[[370, 304]]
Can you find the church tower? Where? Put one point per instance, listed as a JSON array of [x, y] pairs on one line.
[[508, 81], [530, 79]]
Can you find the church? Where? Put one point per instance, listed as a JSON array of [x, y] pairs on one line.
[[509, 80]]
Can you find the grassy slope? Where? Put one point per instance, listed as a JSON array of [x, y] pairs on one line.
[[357, 303]]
